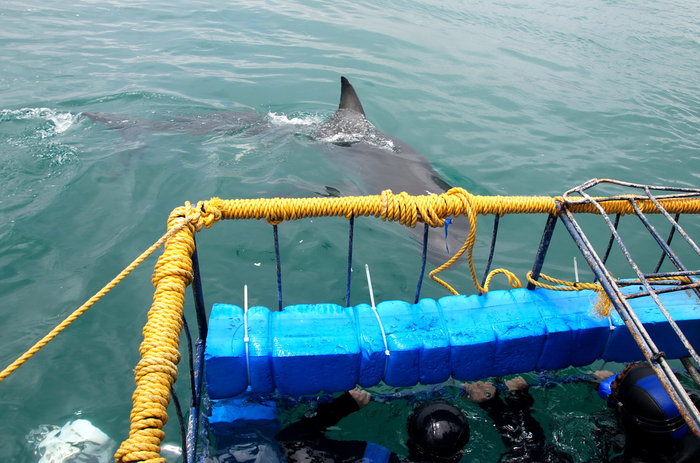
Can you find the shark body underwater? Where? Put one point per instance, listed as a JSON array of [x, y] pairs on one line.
[[379, 160]]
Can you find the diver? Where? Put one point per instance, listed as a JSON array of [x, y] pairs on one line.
[[437, 433], [652, 427], [437, 430], [520, 432]]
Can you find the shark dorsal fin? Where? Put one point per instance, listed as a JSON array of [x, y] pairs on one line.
[[348, 97]]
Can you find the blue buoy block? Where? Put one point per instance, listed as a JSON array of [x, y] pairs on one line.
[[245, 422], [305, 349]]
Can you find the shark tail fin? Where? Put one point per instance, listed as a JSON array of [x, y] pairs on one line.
[[348, 97]]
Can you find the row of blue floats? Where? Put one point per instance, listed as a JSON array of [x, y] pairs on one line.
[[305, 349]]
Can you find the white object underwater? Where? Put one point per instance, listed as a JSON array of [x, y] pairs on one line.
[[78, 441]]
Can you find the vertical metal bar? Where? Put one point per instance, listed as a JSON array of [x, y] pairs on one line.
[[666, 249], [189, 450], [675, 260], [279, 266], [494, 236], [195, 408], [351, 228], [188, 336], [198, 294], [181, 421], [199, 347], [675, 224], [679, 265], [668, 242], [692, 371], [196, 362], [424, 255], [611, 240], [542, 250]]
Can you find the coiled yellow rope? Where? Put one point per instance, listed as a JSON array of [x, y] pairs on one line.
[[157, 371]]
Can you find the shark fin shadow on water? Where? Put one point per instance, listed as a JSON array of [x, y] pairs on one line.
[[380, 161], [371, 160]]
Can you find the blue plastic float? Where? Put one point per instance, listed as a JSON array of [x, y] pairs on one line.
[[305, 349]]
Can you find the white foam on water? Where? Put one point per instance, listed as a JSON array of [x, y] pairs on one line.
[[245, 149], [283, 119], [350, 138], [60, 122], [342, 137]]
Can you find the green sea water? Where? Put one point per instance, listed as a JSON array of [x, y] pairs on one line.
[[502, 98]]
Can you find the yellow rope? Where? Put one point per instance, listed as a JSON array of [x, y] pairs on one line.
[[7, 371], [157, 370], [513, 281], [431, 209], [562, 285], [603, 305]]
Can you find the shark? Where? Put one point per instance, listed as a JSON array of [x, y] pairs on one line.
[[381, 161], [371, 160], [384, 161]]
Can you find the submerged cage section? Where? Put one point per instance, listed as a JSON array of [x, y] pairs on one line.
[[244, 353]]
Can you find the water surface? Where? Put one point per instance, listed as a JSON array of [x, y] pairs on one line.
[[501, 98]]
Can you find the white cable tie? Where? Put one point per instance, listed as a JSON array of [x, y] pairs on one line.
[[376, 312], [246, 339], [575, 269]]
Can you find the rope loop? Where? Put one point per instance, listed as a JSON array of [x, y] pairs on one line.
[[459, 201], [513, 280]]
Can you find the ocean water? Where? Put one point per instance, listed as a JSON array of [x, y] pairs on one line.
[[507, 98]]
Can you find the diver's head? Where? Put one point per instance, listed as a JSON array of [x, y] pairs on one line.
[[646, 410], [437, 431]]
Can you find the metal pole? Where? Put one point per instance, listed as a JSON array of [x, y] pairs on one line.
[[542, 250], [351, 228], [198, 295], [494, 236]]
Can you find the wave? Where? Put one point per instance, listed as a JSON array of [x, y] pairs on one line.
[[59, 121], [284, 119]]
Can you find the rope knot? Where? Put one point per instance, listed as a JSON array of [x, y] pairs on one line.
[[203, 215], [458, 201], [428, 213]]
